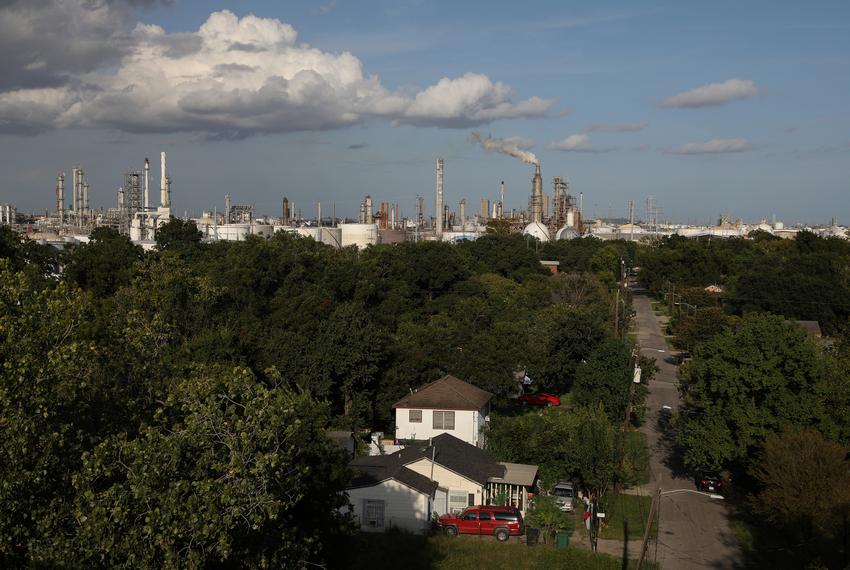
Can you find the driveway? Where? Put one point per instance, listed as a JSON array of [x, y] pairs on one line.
[[693, 529]]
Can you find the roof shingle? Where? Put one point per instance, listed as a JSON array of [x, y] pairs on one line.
[[448, 393]]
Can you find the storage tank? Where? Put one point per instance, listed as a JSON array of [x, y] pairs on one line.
[[307, 231], [360, 235], [331, 237], [233, 232], [537, 230], [264, 230], [567, 232]]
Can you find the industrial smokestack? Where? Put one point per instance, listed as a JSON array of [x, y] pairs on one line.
[[462, 213], [147, 183], [163, 182], [502, 200], [504, 146], [537, 195], [227, 207], [60, 196], [74, 190], [285, 215], [369, 217], [438, 210], [85, 196]]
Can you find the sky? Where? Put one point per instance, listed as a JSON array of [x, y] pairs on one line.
[[708, 108]]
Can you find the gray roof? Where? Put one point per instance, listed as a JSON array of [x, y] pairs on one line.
[[371, 470], [447, 393], [517, 474], [811, 327], [456, 455]]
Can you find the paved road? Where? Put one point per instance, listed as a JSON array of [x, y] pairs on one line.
[[694, 531]]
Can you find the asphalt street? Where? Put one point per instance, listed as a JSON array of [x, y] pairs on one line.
[[693, 528]]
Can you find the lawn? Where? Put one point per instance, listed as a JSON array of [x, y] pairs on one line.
[[408, 551], [624, 512]]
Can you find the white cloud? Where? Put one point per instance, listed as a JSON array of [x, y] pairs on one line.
[[579, 142], [237, 76], [713, 94], [617, 128], [714, 146]]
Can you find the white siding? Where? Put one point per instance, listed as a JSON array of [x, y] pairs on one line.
[[403, 507], [468, 424]]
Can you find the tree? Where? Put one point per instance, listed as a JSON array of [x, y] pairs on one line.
[[804, 482], [104, 264], [546, 515], [606, 378], [178, 235], [230, 473], [743, 385]]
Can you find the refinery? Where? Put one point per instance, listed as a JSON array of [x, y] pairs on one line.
[[548, 217]]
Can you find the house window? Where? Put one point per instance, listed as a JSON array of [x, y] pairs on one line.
[[471, 499], [457, 501], [415, 416], [373, 514], [444, 420]]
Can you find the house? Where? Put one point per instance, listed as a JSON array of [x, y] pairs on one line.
[[448, 405], [384, 494], [446, 474]]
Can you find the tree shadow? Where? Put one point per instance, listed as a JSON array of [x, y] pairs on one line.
[[624, 564]]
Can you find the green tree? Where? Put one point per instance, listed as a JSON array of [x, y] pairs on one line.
[[746, 384], [178, 235], [606, 378], [230, 473], [804, 483], [104, 264]]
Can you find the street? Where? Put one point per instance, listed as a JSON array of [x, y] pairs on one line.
[[694, 531]]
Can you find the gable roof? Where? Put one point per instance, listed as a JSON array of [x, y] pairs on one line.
[[447, 393], [456, 455], [372, 470]]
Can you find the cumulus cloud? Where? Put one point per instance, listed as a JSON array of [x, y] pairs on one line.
[[616, 128], [714, 146], [579, 142], [713, 94], [232, 77]]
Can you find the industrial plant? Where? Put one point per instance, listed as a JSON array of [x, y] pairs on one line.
[[555, 216]]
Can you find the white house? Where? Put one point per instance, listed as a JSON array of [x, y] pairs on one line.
[[442, 475], [385, 494], [447, 405]]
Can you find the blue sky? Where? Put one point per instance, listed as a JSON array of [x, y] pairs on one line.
[[761, 125]]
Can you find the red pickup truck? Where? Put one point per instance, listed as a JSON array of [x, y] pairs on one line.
[[501, 522]]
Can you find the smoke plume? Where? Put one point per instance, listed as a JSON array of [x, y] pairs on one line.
[[504, 146]]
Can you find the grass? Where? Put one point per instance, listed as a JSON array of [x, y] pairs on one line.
[[409, 551], [636, 442], [626, 512]]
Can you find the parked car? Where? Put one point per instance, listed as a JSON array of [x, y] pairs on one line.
[[501, 522], [682, 357], [540, 399], [564, 494], [708, 481]]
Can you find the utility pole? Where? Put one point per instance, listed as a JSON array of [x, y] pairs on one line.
[[655, 503], [634, 360]]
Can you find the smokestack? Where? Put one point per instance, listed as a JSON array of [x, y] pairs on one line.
[[163, 182], [439, 205], [369, 218], [227, 207], [502, 200], [319, 213], [85, 195], [74, 190], [147, 183], [60, 196], [462, 213], [285, 212], [537, 195]]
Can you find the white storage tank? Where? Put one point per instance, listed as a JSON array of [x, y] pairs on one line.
[[315, 233], [567, 232], [232, 232], [331, 237], [264, 230], [537, 230], [360, 235]]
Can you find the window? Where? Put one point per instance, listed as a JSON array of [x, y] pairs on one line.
[[415, 416], [444, 420], [470, 516], [471, 499], [373, 513], [482, 516], [457, 501]]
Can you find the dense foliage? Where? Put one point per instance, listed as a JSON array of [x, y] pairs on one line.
[[806, 278], [168, 409]]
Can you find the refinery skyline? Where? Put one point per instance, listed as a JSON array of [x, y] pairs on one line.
[[727, 109]]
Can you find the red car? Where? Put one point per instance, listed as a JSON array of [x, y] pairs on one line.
[[501, 522], [540, 399]]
